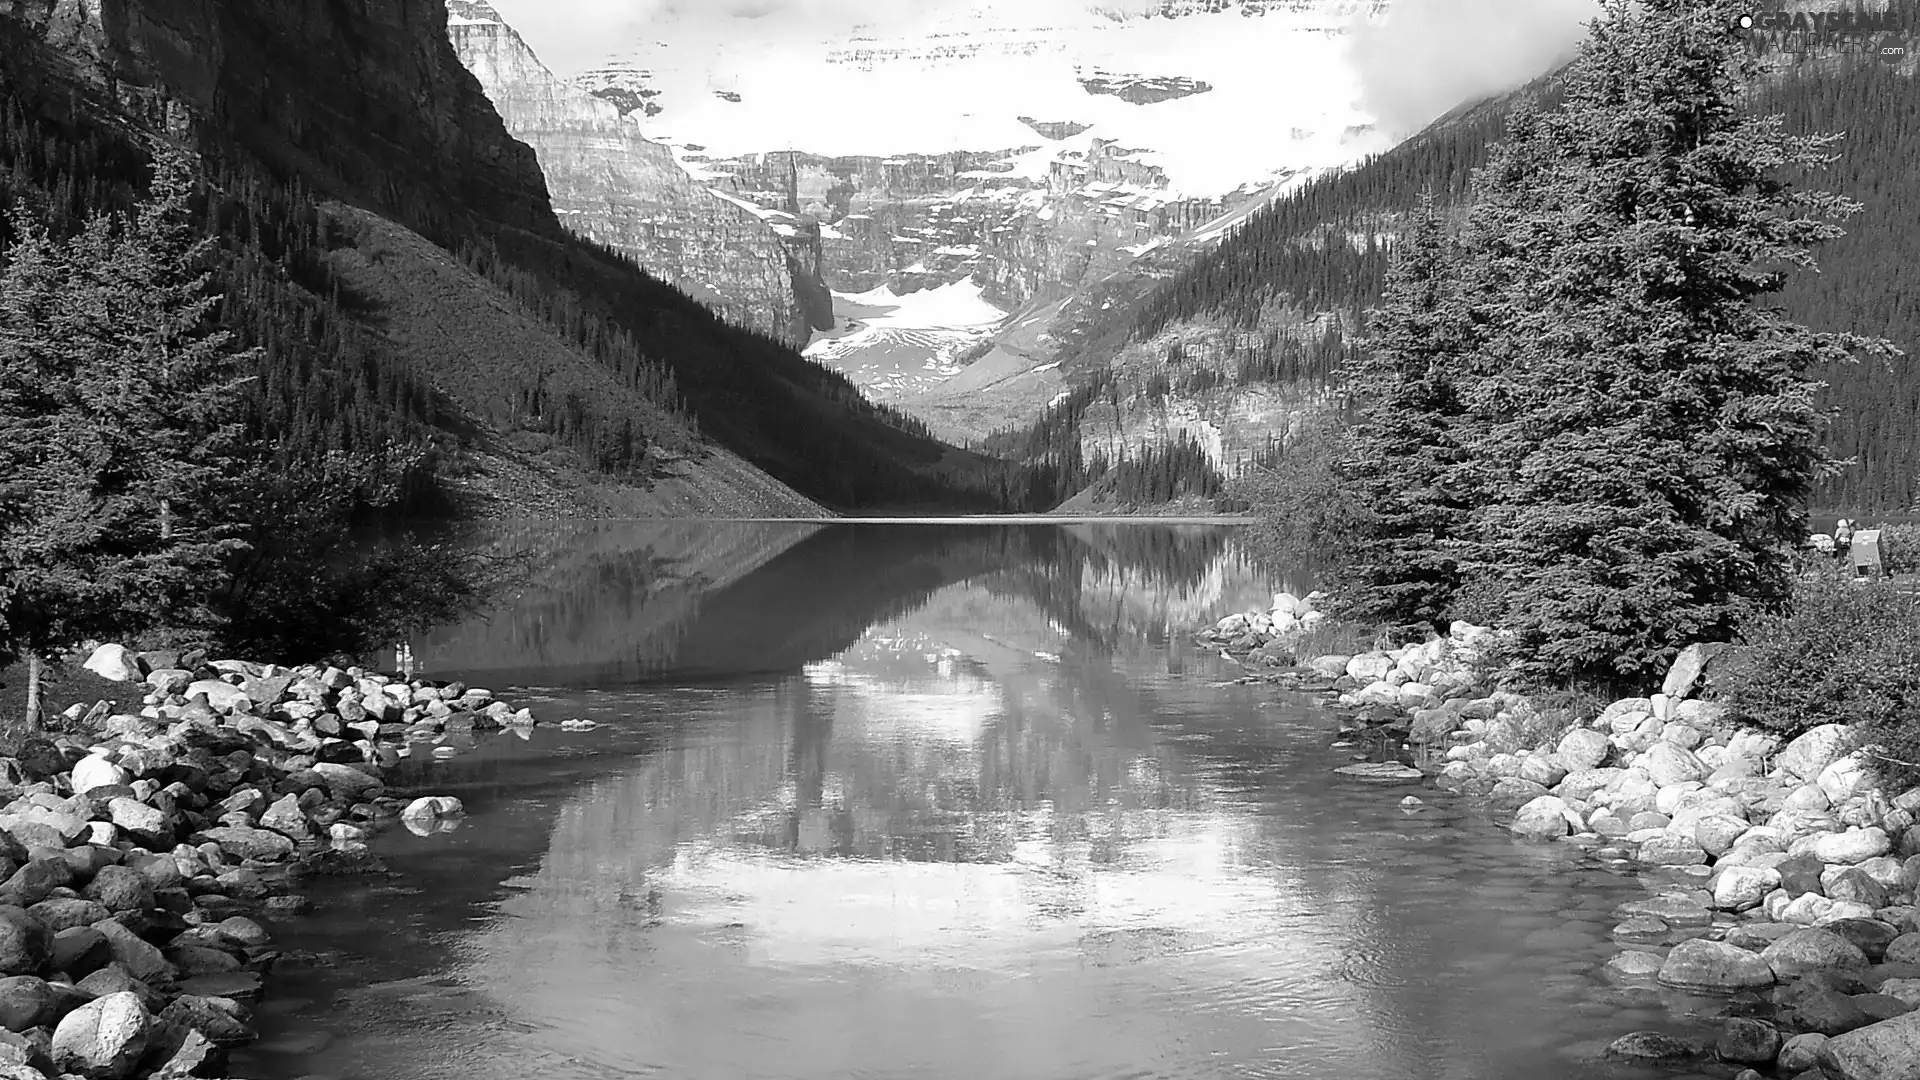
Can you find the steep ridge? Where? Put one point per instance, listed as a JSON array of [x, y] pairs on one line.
[[612, 185], [293, 101]]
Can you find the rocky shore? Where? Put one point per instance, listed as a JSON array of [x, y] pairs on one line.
[[144, 860], [1781, 877]]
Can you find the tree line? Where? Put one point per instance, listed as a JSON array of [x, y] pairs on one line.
[[1328, 247], [1581, 416]]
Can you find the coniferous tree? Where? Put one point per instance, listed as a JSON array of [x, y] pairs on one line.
[[1404, 457], [114, 398], [1645, 428]]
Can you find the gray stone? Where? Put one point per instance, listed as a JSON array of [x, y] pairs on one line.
[[1714, 967], [28, 1002], [251, 843], [1852, 846], [1672, 851], [141, 959], [24, 942], [1745, 1041], [1669, 764], [1806, 756], [1812, 949], [1544, 818], [1650, 1046], [1800, 1052], [1687, 668], [1888, 1050], [1377, 771], [1582, 749], [118, 888]]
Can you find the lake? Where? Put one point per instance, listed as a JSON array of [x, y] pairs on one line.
[[929, 801]]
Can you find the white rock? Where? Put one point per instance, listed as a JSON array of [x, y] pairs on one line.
[[1844, 778], [1806, 756], [1741, 887], [1852, 846], [116, 663], [1669, 764], [94, 771], [105, 1038], [1369, 667], [221, 696]]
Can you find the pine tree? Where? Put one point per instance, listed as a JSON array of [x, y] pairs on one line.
[[1645, 427], [1404, 460], [115, 405]]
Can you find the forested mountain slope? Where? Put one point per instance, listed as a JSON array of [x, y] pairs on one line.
[[1266, 316], [297, 105]]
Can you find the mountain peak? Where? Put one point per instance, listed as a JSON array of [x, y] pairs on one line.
[[472, 13]]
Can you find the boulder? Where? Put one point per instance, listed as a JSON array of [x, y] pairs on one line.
[[1714, 967], [25, 944], [1738, 888], [1888, 1050], [145, 823], [1543, 818], [223, 697], [1852, 846], [137, 955], [97, 771], [103, 1039], [1650, 1046], [1809, 950], [118, 888], [1844, 778], [1687, 668], [29, 1002], [115, 663], [1805, 757], [1582, 749], [1801, 1052], [251, 843], [1670, 764], [1745, 1041], [1812, 1005], [1665, 850]]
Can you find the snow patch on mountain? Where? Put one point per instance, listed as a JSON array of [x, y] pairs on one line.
[[896, 346], [1282, 93]]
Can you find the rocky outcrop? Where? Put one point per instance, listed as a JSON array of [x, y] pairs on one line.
[[612, 185], [361, 100]]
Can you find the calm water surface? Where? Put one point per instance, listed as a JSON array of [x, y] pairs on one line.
[[900, 802]]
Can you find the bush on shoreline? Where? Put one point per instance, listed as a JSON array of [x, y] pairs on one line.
[[1900, 548], [1842, 652]]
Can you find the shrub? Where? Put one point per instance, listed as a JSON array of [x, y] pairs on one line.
[[1900, 548], [1843, 652]]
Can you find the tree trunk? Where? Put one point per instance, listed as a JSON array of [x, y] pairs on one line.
[[166, 518], [36, 673]]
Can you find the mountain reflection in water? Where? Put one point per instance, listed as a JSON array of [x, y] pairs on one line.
[[929, 801]]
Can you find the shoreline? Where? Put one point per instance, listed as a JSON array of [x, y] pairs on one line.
[[143, 849], [1781, 874]]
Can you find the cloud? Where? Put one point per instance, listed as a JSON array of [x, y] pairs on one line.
[[1428, 56]]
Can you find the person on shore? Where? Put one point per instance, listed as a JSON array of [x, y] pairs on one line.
[[1842, 540]]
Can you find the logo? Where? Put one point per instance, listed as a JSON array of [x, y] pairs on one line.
[[1882, 35]]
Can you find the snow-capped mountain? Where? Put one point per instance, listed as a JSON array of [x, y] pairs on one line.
[[1003, 154]]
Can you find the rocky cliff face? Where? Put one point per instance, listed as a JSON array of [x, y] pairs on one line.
[[363, 100], [617, 188]]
